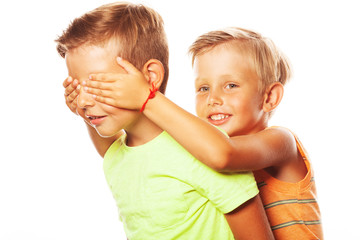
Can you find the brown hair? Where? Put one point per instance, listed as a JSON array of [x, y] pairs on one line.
[[270, 64], [138, 31]]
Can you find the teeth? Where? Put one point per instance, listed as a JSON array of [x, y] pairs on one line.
[[218, 117]]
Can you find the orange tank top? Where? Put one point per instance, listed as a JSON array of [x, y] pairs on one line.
[[292, 208]]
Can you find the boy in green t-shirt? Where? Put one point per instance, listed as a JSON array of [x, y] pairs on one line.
[[161, 190]]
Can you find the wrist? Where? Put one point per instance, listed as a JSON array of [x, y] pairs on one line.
[[151, 94]]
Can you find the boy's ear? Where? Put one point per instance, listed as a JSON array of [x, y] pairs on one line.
[[153, 71], [273, 96]]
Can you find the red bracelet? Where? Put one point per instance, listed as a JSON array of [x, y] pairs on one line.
[[153, 90]]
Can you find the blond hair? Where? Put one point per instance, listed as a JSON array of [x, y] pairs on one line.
[[269, 63], [138, 31]]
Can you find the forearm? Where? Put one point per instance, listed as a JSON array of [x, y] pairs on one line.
[[209, 145], [266, 148], [194, 134]]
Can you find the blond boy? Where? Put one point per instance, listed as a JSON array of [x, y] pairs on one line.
[[162, 192], [239, 78]]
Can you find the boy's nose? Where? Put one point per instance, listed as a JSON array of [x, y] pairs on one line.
[[84, 99], [214, 98]]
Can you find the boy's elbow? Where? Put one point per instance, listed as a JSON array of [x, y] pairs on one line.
[[230, 161], [222, 162], [219, 159]]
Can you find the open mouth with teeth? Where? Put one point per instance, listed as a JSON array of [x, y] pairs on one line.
[[218, 119]]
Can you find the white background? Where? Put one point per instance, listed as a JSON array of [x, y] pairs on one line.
[[51, 181]]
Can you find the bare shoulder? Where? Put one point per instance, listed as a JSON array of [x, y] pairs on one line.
[[291, 168], [282, 133], [282, 140]]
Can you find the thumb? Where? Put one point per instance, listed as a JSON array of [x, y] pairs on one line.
[[129, 68]]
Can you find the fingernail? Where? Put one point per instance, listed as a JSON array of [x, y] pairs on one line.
[[90, 77], [85, 89], [84, 83], [94, 96], [69, 79], [118, 59]]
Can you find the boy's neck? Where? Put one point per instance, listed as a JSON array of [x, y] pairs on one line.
[[141, 132], [260, 126]]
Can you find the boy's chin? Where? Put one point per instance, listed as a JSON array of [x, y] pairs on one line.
[[106, 134]]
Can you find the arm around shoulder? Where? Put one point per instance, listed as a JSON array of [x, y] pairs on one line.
[[267, 148]]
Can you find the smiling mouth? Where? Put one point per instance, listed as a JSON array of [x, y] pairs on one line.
[[96, 120], [218, 117]]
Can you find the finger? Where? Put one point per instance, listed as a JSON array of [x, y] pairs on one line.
[[98, 85], [103, 77], [73, 94], [69, 89], [106, 100], [74, 87], [98, 92], [78, 88], [67, 81], [73, 106], [75, 83], [129, 68]]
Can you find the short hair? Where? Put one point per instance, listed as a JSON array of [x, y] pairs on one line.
[[270, 64], [138, 31]]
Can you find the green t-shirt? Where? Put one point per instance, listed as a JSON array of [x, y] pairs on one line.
[[163, 192]]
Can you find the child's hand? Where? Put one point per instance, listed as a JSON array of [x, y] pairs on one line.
[[72, 89], [123, 90]]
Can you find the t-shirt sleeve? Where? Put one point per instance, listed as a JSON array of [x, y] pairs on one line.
[[225, 191]]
